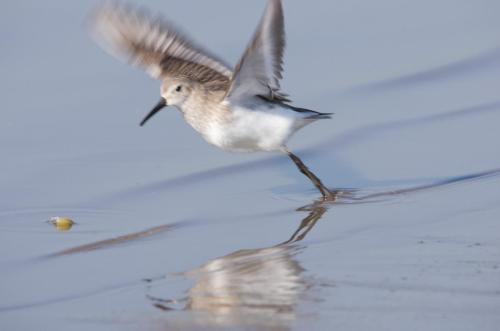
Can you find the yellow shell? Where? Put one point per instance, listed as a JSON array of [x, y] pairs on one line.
[[62, 223]]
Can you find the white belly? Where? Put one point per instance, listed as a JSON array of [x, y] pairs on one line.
[[252, 130]]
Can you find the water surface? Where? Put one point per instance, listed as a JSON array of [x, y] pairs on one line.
[[172, 233]]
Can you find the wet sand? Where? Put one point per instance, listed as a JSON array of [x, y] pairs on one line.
[[171, 233]]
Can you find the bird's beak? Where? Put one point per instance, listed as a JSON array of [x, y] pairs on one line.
[[162, 104]]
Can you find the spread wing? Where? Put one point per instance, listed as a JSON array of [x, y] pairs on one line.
[[260, 69], [156, 46]]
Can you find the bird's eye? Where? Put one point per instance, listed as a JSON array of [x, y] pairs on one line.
[[178, 89]]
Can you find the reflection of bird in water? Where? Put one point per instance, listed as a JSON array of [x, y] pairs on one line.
[[252, 287], [239, 111], [248, 287]]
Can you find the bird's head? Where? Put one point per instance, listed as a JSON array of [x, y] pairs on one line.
[[174, 92]]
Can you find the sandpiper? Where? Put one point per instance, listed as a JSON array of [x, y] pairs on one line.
[[240, 110]]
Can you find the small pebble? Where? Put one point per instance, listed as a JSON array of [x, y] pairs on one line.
[[61, 223]]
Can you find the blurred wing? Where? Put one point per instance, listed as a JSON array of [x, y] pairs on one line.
[[260, 69], [155, 45]]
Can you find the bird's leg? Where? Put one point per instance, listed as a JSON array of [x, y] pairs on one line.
[[315, 180]]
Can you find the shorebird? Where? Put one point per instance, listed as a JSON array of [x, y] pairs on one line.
[[240, 110]]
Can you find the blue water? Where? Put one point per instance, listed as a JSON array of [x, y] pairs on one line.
[[172, 233]]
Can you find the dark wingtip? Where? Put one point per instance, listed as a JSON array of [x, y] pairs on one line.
[[322, 116], [312, 114]]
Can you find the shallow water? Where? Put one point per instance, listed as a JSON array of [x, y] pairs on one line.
[[172, 233]]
